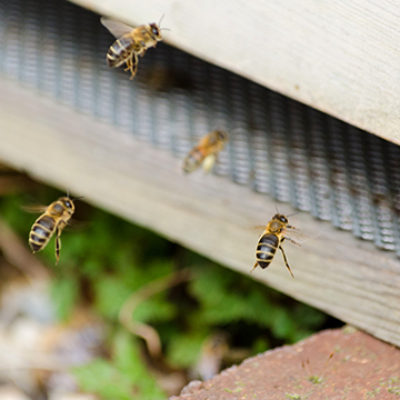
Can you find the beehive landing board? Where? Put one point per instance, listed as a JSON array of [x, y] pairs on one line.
[[340, 57], [120, 144]]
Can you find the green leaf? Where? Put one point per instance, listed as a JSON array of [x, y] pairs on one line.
[[65, 294], [260, 345], [102, 378], [184, 349], [155, 310], [110, 294], [283, 325], [309, 316], [124, 377], [128, 360]]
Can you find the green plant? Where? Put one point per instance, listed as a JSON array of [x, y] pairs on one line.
[[106, 259], [123, 376]]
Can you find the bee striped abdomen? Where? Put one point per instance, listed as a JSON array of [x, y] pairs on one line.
[[120, 51], [41, 232], [266, 249], [193, 160]]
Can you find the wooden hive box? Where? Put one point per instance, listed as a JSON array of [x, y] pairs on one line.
[[280, 46]]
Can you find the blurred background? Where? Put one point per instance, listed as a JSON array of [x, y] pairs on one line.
[[123, 306]]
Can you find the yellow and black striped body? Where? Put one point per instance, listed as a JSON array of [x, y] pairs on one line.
[[54, 219], [131, 44], [194, 159], [266, 249], [271, 240], [121, 50], [41, 232], [205, 152]]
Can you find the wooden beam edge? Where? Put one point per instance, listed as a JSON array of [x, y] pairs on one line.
[[335, 272], [333, 56]]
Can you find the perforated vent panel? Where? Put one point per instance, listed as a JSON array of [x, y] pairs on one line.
[[278, 146]]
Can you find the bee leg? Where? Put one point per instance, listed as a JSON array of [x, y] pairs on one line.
[[142, 53], [286, 261], [133, 65], [58, 245], [292, 241], [254, 267], [209, 162], [128, 65]]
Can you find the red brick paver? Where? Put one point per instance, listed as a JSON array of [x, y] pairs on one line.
[[335, 364]]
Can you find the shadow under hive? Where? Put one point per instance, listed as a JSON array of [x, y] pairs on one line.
[[278, 146]]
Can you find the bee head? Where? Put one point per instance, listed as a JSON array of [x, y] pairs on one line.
[[68, 203], [155, 31], [222, 136], [281, 218]]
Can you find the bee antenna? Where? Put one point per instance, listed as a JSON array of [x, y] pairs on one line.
[[159, 22], [165, 29], [78, 198], [293, 213]]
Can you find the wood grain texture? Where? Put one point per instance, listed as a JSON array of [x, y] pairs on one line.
[[335, 272], [339, 57]]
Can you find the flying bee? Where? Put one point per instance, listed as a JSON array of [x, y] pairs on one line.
[[205, 152], [271, 240], [54, 219], [130, 44]]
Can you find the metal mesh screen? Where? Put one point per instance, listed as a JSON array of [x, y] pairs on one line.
[[278, 146]]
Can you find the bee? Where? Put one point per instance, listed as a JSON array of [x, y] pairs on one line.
[[271, 240], [205, 152], [54, 219], [130, 44]]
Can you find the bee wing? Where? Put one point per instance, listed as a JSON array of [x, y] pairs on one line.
[[258, 227], [117, 28], [34, 209], [296, 236], [74, 225]]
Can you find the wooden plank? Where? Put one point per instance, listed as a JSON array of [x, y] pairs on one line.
[[348, 278], [339, 57]]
